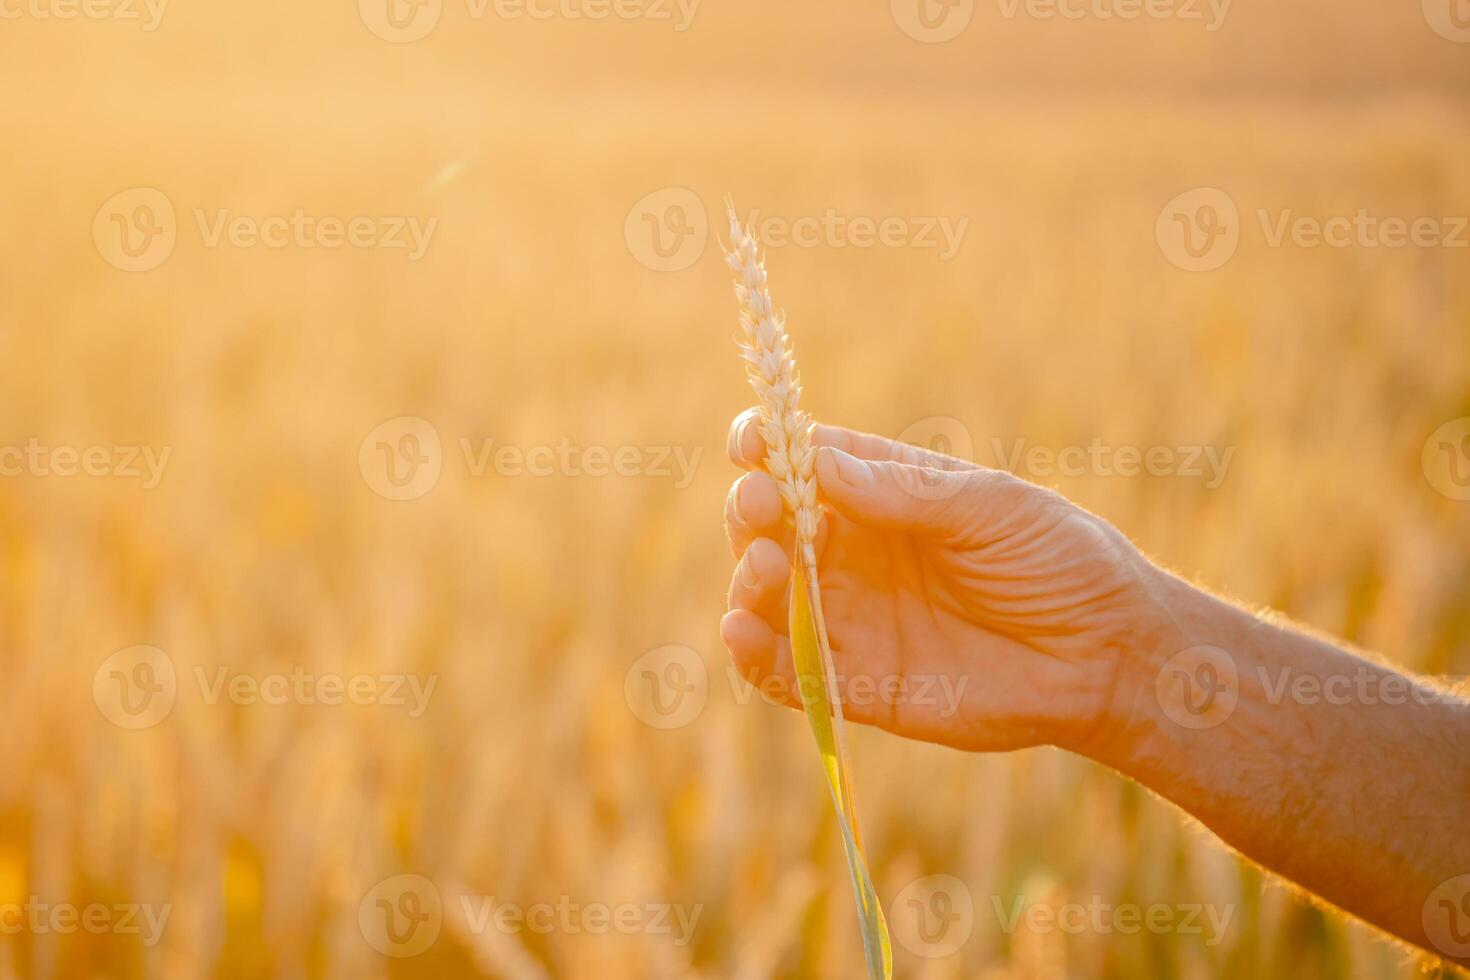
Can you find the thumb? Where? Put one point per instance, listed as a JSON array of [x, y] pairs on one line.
[[898, 496]]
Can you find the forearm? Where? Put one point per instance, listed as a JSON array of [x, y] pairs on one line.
[[1337, 773]]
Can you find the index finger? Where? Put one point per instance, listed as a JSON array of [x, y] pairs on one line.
[[747, 447]]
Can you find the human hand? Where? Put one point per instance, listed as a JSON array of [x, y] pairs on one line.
[[964, 606], [970, 608]]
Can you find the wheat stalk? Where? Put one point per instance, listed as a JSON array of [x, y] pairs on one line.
[[771, 368]]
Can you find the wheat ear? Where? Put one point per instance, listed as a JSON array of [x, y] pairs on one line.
[[772, 371], [787, 428], [791, 460]]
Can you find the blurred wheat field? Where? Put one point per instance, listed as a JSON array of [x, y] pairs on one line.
[[533, 319]]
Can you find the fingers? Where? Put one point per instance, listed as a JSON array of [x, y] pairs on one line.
[[916, 499], [747, 448], [762, 656], [865, 445], [760, 583], [753, 510]]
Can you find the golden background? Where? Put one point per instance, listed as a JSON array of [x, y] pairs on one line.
[[550, 151]]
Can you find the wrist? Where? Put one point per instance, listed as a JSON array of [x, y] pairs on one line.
[[1189, 719], [1172, 677]]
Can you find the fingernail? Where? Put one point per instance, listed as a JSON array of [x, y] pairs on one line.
[[851, 470], [732, 447], [736, 448], [736, 519], [727, 630], [748, 578]]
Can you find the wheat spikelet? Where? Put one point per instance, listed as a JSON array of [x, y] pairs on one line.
[[771, 368]]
